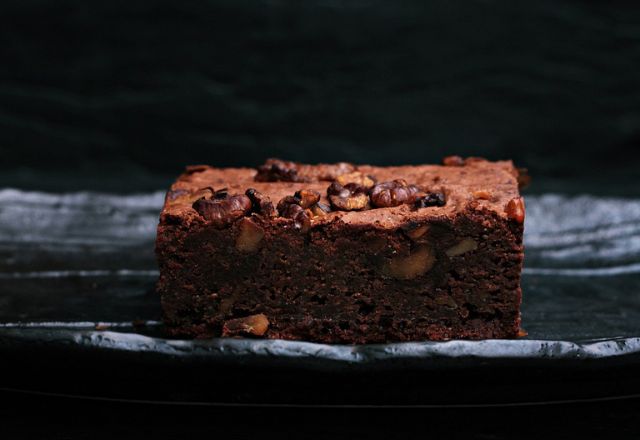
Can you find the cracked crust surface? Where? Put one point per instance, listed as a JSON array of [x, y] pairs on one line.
[[460, 184]]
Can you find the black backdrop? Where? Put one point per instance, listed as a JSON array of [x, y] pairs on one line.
[[120, 95]]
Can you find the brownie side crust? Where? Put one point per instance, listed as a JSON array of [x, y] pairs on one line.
[[380, 274]]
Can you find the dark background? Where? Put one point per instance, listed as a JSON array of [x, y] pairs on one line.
[[120, 95]]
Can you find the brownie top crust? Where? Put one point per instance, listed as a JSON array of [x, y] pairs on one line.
[[464, 183]]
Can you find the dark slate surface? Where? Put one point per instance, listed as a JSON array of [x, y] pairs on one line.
[[92, 91], [77, 276], [119, 96]]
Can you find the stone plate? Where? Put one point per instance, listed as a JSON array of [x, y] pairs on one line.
[[79, 317]]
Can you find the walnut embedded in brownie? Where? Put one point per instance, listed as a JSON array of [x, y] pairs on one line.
[[344, 253]]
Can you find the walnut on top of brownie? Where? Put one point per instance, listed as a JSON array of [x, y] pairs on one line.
[[310, 195]]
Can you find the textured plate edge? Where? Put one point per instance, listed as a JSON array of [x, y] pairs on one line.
[[229, 349]]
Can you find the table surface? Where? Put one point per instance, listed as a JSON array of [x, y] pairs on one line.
[[78, 275]]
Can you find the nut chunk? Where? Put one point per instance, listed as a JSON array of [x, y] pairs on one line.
[[260, 204], [223, 209], [358, 178], [465, 245], [301, 207], [249, 236], [275, 170], [256, 325], [307, 197], [515, 209], [419, 262], [394, 193], [351, 197]]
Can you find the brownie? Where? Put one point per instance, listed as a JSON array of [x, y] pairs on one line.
[[343, 253]]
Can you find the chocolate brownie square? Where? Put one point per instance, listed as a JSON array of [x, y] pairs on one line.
[[343, 253]]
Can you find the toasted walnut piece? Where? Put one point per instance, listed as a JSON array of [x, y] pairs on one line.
[[276, 170], [249, 236], [302, 220], [256, 325], [307, 197], [301, 207], [482, 194], [288, 208], [453, 161], [515, 209], [223, 212], [416, 231], [426, 200], [419, 262], [358, 178], [260, 204], [465, 245], [320, 209], [325, 171], [350, 197], [394, 193], [283, 204]]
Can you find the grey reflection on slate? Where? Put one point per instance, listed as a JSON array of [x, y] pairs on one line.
[[85, 258]]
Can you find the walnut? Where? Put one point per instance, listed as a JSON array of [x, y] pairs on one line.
[[256, 325], [260, 204], [351, 197], [326, 172], [276, 170], [419, 262], [394, 193], [320, 209], [301, 207], [465, 245], [249, 236], [426, 200], [289, 207], [482, 194], [307, 197], [222, 211], [453, 161], [414, 231], [515, 209], [358, 178]]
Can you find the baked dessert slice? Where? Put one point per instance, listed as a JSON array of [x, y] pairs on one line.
[[343, 253]]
